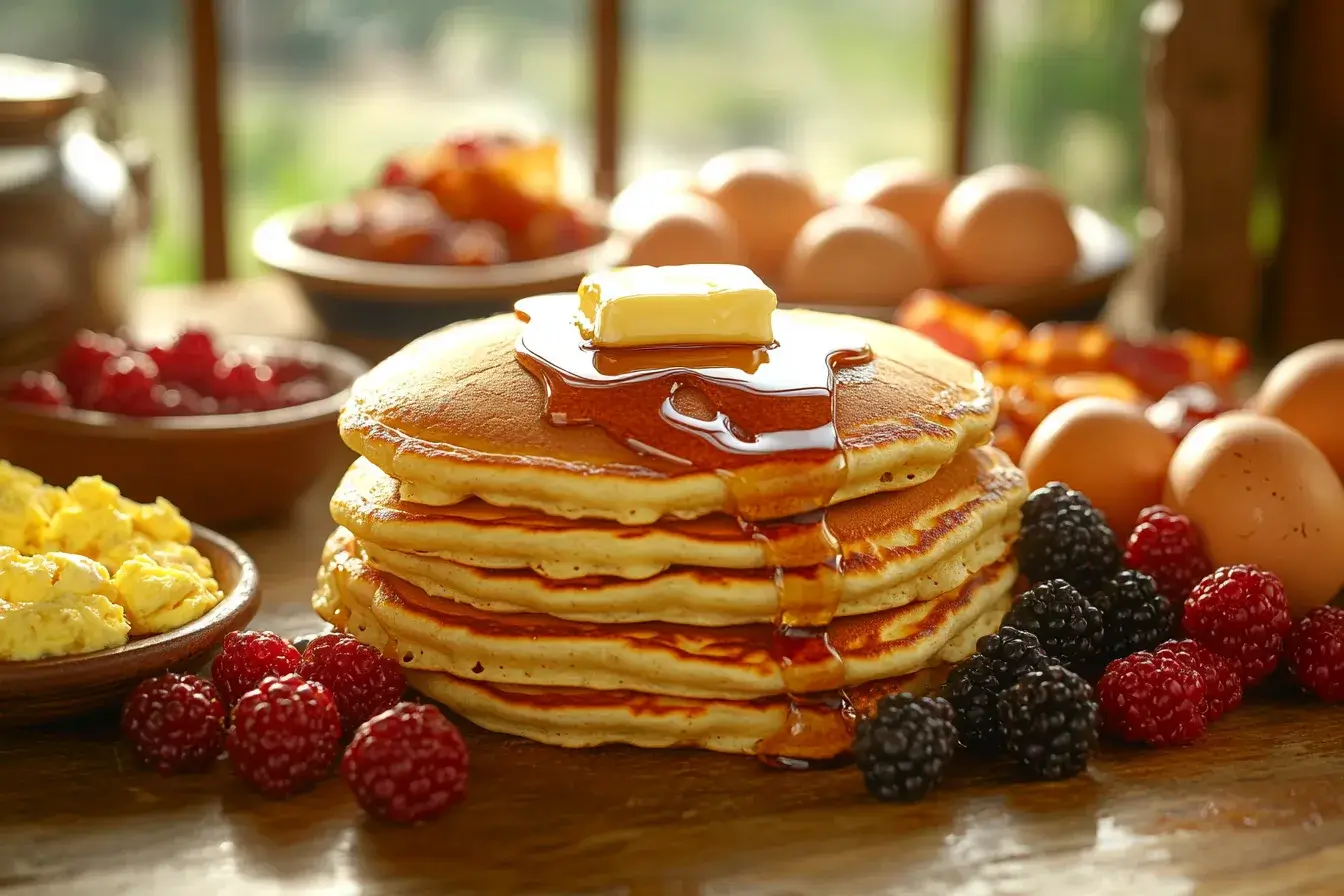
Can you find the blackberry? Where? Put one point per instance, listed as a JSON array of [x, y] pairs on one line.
[[903, 748], [1136, 617], [1050, 719], [1069, 628], [975, 683], [1065, 537]]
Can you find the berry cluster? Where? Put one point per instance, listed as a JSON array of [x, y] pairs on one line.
[[190, 376], [281, 715]]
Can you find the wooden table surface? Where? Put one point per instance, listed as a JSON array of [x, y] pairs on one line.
[[1257, 807]]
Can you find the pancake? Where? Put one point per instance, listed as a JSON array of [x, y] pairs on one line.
[[455, 415], [582, 718], [885, 539], [738, 662]]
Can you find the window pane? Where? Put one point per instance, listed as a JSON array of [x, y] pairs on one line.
[[321, 91], [1059, 88], [137, 45], [838, 84]]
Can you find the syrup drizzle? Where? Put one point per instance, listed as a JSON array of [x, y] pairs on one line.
[[726, 408]]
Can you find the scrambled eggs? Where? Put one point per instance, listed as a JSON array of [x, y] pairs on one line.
[[84, 568]]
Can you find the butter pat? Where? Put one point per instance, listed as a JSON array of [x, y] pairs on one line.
[[689, 304]]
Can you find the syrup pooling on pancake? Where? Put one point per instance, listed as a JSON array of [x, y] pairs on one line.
[[722, 408]]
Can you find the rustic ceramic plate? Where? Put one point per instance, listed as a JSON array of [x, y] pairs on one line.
[[58, 687], [218, 469]]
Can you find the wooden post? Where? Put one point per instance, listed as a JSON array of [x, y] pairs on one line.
[[965, 47], [206, 114], [606, 48]]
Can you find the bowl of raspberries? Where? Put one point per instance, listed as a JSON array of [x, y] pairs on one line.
[[228, 429]]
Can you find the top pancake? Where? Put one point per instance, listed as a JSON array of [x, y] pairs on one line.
[[454, 415]]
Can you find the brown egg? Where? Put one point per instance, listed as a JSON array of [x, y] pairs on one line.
[[1106, 449], [1006, 226], [688, 229], [1306, 391], [766, 196], [854, 255], [646, 198], [903, 187], [1262, 494]]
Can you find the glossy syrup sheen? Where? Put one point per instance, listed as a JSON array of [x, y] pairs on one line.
[[726, 408]]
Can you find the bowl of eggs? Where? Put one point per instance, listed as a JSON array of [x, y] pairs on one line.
[[1002, 237], [459, 230]]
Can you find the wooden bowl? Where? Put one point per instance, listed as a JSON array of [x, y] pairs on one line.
[[375, 307], [220, 469], [57, 687]]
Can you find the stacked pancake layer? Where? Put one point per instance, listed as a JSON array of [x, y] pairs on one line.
[[554, 582]]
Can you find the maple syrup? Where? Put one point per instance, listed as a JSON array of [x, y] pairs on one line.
[[726, 409]]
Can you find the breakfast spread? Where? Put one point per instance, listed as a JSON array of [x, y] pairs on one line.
[[484, 200], [192, 375], [84, 569]]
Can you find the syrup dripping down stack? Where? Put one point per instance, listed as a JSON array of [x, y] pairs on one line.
[[721, 547]]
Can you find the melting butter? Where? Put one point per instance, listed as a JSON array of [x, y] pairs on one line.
[[690, 304]]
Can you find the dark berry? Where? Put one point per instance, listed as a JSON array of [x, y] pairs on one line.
[[1315, 653], [1065, 537], [1071, 630], [81, 362], [904, 747], [407, 764], [1240, 612], [363, 680], [1222, 681], [1135, 616], [285, 735], [1049, 719], [175, 723], [974, 685], [1168, 547], [248, 657], [40, 388], [1156, 699]]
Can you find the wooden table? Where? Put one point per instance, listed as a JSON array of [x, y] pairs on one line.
[[1257, 807]]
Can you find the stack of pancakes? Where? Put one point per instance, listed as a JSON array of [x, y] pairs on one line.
[[556, 582]]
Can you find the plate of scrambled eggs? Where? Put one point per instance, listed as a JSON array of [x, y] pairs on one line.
[[98, 591]]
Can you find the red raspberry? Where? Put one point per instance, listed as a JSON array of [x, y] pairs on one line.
[[129, 386], [42, 388], [289, 370], [1240, 612], [175, 723], [1315, 653], [242, 385], [363, 681], [1166, 546], [1222, 681], [407, 764], [247, 658], [80, 365], [189, 361], [1157, 699], [285, 735]]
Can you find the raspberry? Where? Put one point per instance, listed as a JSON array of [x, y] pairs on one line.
[[81, 362], [1240, 612], [42, 388], [1070, 629], [241, 385], [903, 748], [128, 386], [189, 361], [285, 734], [1222, 681], [407, 764], [1157, 699], [1065, 537], [247, 658], [1316, 653], [290, 370], [1168, 547], [363, 681], [1050, 719], [175, 723], [1136, 616], [974, 685]]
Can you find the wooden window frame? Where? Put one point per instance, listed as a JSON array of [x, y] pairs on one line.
[[606, 44]]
